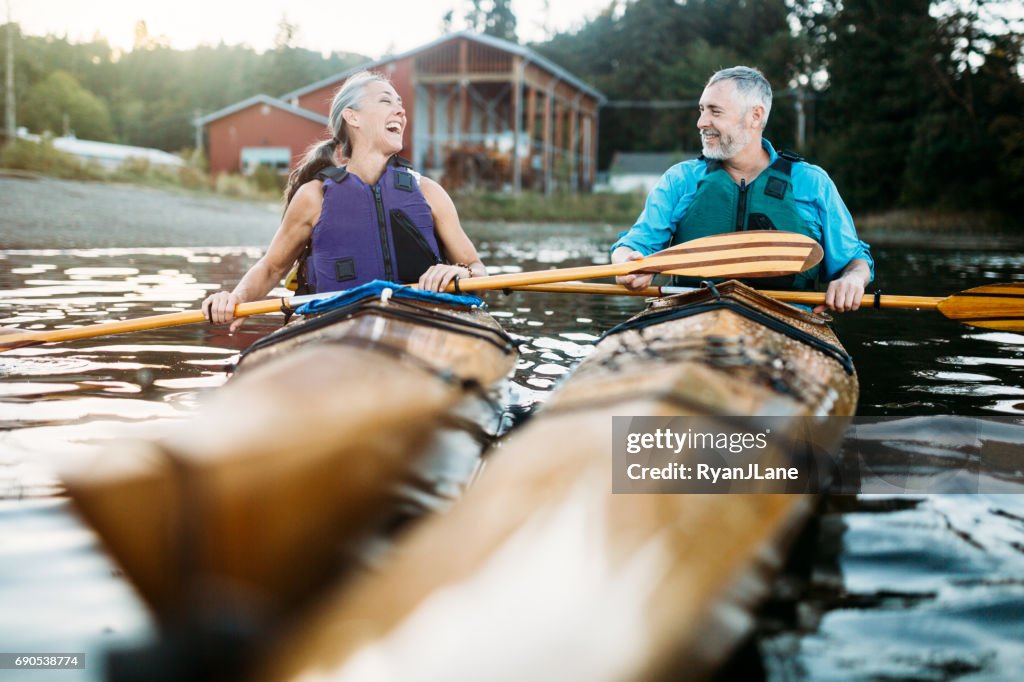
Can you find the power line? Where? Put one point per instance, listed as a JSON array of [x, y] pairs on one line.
[[689, 103], [650, 104]]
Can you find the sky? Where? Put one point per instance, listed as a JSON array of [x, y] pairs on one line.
[[362, 26]]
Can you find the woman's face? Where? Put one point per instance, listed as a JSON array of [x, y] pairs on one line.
[[379, 123]]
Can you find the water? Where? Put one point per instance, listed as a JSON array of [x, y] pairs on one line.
[[925, 587]]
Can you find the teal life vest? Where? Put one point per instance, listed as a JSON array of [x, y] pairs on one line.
[[720, 205]]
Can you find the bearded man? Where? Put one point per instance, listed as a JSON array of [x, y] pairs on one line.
[[741, 183]]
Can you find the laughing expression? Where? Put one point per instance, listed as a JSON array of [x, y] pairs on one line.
[[381, 117]]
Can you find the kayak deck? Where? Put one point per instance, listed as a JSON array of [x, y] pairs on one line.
[[539, 572], [334, 430]]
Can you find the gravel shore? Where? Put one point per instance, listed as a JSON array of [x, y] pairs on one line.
[[38, 212], [47, 213]]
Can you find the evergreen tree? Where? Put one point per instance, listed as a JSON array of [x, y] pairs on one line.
[[967, 147], [877, 56], [500, 21], [494, 18], [922, 109], [661, 50]]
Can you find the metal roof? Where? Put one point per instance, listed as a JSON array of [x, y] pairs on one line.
[[106, 153], [261, 99], [624, 163], [497, 43]]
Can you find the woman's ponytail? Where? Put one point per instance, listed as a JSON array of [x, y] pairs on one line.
[[318, 157], [322, 154]]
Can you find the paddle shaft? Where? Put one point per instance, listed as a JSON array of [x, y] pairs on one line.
[[685, 264], [801, 297], [513, 280], [143, 323], [731, 255]]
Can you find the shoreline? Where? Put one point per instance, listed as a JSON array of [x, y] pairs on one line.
[[47, 212], [40, 211]]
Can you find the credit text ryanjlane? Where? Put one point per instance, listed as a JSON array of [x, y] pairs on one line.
[[708, 472]]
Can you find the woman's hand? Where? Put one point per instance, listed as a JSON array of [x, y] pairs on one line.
[[219, 308], [438, 277]]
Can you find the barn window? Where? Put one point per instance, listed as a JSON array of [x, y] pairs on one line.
[[278, 158]]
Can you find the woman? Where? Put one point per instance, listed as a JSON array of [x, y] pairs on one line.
[[374, 218]]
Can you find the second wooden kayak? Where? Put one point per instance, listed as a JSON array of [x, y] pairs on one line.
[[542, 573]]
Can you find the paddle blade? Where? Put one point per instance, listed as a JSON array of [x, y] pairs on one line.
[[992, 306], [12, 337], [752, 253]]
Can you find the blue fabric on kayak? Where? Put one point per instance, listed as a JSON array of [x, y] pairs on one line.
[[374, 288]]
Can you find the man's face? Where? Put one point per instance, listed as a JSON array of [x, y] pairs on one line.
[[725, 127]]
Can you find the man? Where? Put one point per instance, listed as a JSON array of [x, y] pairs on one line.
[[741, 183]]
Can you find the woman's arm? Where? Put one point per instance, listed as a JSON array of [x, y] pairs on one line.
[[457, 245], [296, 227]]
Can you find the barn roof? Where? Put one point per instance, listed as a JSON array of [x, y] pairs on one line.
[[624, 163], [497, 43], [262, 99]]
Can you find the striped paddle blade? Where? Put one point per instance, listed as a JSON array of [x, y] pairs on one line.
[[725, 256], [753, 253], [992, 306]]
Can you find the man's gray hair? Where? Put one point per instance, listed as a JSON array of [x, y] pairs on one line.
[[751, 87]]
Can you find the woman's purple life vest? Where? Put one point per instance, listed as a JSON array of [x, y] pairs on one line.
[[365, 233]]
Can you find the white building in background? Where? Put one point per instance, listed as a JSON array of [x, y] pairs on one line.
[[106, 154], [640, 171]]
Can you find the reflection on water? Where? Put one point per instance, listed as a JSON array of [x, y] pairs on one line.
[[928, 587], [925, 589]]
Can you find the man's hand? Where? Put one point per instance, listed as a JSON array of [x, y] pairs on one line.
[[632, 282], [846, 292]]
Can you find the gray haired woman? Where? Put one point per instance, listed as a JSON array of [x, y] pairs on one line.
[[355, 211]]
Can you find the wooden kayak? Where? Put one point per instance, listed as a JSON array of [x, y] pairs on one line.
[[332, 432], [540, 572]]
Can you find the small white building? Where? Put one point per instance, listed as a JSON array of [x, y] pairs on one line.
[[640, 171]]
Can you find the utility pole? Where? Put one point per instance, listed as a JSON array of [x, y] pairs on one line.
[[10, 122], [196, 114]]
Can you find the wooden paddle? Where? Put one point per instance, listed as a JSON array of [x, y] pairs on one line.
[[737, 254], [754, 253], [991, 306], [31, 338]]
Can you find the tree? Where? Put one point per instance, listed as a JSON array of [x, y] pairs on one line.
[[922, 105], [500, 21], [59, 99], [969, 141], [496, 19], [284, 66], [662, 50], [877, 55], [151, 93]]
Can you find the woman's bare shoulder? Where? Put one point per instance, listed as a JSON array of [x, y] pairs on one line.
[[310, 195], [304, 208], [312, 190], [433, 192]]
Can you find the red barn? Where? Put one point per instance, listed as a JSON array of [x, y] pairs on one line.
[[258, 131], [482, 111]]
